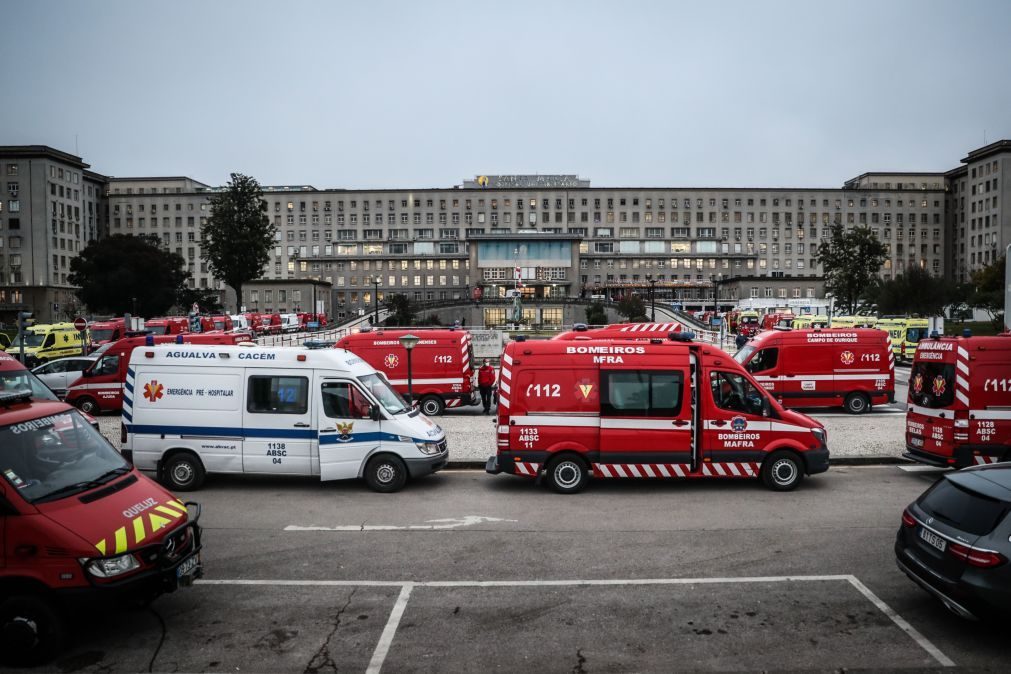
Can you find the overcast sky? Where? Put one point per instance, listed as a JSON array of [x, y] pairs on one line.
[[425, 94]]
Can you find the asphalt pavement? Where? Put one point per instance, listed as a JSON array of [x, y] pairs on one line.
[[464, 572]]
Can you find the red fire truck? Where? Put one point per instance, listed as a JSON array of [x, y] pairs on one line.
[[823, 367], [78, 525], [959, 410], [660, 409], [442, 364]]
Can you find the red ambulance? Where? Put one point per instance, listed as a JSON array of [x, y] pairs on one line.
[[222, 323], [661, 409], [442, 364], [100, 388], [102, 332], [270, 324], [168, 325], [823, 367], [959, 410], [620, 331], [79, 527], [777, 319]]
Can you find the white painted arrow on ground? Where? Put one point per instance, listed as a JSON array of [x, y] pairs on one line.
[[430, 525]]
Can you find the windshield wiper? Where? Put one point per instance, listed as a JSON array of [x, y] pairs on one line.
[[85, 485]]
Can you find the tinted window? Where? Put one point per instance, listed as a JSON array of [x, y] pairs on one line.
[[932, 384], [765, 359], [963, 509], [108, 365], [734, 393], [341, 400], [650, 394], [278, 395]]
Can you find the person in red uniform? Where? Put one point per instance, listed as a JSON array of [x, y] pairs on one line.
[[485, 382]]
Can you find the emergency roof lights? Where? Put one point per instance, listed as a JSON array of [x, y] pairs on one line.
[[681, 336]]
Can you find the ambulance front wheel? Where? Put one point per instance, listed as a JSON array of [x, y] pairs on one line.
[[31, 630], [567, 474], [857, 403], [183, 471], [432, 406], [782, 471], [88, 405], [386, 473]]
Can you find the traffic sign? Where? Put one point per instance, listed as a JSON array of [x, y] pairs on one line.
[[80, 324]]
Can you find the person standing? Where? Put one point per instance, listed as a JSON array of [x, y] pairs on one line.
[[485, 382]]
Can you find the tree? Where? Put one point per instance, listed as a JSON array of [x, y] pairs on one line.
[[989, 291], [238, 235], [913, 292], [851, 260], [631, 307], [400, 311], [208, 300], [595, 314], [120, 273]]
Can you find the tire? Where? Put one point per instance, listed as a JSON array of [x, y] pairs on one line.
[[386, 474], [567, 474], [782, 471], [88, 405], [432, 406], [857, 403], [183, 471], [31, 630]]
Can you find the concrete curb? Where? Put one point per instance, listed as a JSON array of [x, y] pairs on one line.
[[834, 461]]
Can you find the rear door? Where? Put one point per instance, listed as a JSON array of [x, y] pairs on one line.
[[930, 415], [645, 422], [347, 434], [277, 423]]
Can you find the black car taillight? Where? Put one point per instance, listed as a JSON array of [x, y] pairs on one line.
[[983, 559], [907, 519]]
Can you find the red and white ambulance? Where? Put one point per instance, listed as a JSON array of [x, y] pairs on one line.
[[168, 325], [569, 410], [959, 410], [100, 388], [442, 364], [823, 367], [102, 332], [580, 331]]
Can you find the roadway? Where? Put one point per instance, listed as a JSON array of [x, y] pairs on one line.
[[465, 572]]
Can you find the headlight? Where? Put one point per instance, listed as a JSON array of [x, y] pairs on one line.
[[821, 435], [428, 447], [114, 566]]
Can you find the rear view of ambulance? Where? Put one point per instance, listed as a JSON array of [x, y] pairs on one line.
[[657, 409], [959, 410], [442, 370], [190, 410], [829, 367]]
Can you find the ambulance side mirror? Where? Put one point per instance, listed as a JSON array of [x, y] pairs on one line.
[[374, 413]]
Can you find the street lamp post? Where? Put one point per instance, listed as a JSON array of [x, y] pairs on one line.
[[409, 342], [652, 297], [375, 302]]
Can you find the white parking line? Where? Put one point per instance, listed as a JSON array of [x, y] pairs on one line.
[[406, 587], [431, 525], [923, 469]]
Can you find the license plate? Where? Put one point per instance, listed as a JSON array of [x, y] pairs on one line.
[[188, 566], [916, 442], [933, 539]]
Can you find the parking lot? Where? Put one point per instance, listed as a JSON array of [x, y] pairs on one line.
[[628, 576]]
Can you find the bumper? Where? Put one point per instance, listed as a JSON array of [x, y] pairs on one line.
[[816, 460], [921, 456], [426, 465]]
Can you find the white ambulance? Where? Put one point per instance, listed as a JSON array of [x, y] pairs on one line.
[[189, 410]]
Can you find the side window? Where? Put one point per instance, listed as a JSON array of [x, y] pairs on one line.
[[766, 359], [734, 393], [342, 400], [278, 395], [109, 365], [640, 393], [49, 341]]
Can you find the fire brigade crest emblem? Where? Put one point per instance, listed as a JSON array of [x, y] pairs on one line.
[[918, 383], [345, 431], [847, 357], [939, 385], [391, 361], [738, 424], [153, 391]]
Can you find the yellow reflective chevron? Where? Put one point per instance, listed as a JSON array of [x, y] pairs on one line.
[[168, 511], [157, 522], [173, 509], [177, 505], [138, 529], [120, 540], [101, 547]]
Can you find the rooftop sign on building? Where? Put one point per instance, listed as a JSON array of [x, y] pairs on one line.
[[508, 182]]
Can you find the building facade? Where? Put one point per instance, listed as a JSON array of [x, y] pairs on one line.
[[559, 235]]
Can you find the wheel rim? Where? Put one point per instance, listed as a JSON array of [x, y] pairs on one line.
[[567, 474], [430, 407], [182, 473], [88, 407], [784, 472], [857, 404], [386, 473], [20, 633]]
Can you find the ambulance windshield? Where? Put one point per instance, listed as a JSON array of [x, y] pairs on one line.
[[156, 329], [744, 354], [103, 335], [379, 387], [23, 380], [914, 335], [56, 456], [34, 339]]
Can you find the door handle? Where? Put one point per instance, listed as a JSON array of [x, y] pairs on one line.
[[680, 422], [302, 424], [328, 430], [719, 422]]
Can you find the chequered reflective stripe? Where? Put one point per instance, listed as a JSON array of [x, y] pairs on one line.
[[128, 394], [962, 376], [505, 379], [525, 468], [982, 460], [652, 327], [156, 517], [891, 354], [674, 470], [454, 402], [464, 351]]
